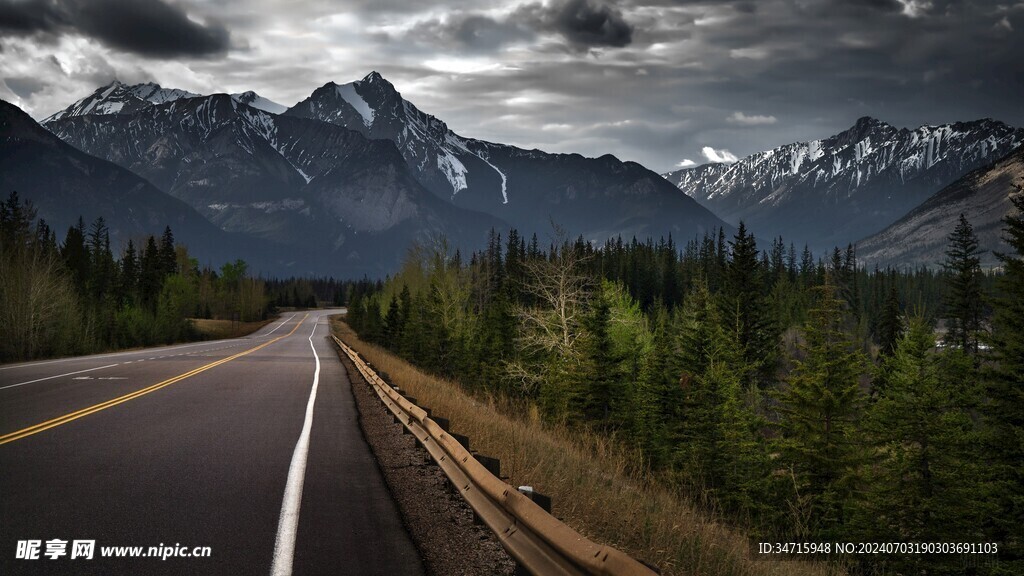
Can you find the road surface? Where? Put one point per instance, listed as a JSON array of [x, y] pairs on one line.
[[245, 454]]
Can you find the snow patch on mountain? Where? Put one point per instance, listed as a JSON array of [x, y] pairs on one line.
[[349, 94], [453, 169]]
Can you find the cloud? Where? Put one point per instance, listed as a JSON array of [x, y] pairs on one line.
[[583, 24], [685, 163], [24, 86], [150, 28], [722, 156], [472, 31], [754, 120], [587, 25]]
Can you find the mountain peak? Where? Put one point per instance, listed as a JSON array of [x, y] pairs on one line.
[[250, 98], [373, 76], [868, 121]]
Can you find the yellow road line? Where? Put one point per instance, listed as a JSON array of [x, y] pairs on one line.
[[37, 428]]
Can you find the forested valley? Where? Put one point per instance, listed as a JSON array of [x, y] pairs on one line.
[[77, 297], [799, 398]]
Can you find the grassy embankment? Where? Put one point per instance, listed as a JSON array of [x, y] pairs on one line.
[[220, 329], [591, 480]]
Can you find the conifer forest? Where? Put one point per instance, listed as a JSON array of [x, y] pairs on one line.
[[798, 396]]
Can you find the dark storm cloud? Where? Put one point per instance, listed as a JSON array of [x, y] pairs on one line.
[[585, 24], [581, 24], [150, 28]]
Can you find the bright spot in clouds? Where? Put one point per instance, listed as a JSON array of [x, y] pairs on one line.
[[460, 65], [722, 156], [686, 163]]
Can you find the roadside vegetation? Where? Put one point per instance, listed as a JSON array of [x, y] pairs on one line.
[[81, 295], [783, 397], [598, 485]]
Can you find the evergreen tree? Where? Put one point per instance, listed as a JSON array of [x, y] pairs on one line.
[[1004, 411], [718, 442], [167, 256], [129, 276], [150, 275], [743, 303], [819, 409], [75, 255], [890, 324], [604, 398], [964, 295], [924, 485]]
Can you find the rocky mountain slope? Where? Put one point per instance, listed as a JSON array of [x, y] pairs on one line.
[[64, 184], [921, 237], [313, 186], [530, 189]]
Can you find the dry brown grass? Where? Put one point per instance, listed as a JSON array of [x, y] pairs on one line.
[[588, 478], [219, 329]]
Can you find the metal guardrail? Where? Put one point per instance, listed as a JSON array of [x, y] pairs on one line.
[[538, 541]]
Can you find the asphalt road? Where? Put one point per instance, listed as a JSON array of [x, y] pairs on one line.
[[250, 447]]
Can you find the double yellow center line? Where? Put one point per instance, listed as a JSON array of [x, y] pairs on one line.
[[24, 432]]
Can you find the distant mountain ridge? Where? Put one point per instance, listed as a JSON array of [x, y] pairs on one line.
[[835, 190], [920, 238]]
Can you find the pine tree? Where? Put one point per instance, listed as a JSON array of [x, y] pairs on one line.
[[890, 323], [718, 443], [743, 303], [819, 409], [964, 295], [604, 397], [129, 276], [1004, 411], [76, 257], [168, 257], [924, 485]]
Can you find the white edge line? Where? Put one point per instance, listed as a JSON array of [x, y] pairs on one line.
[[288, 524], [281, 324], [52, 377], [143, 351], [115, 354]]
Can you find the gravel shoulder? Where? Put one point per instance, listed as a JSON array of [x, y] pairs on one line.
[[438, 519]]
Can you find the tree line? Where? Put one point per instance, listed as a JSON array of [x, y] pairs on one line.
[[801, 398], [76, 296]]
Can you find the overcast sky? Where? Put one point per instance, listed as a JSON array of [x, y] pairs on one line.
[[660, 82]]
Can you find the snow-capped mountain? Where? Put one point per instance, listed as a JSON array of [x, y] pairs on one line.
[[595, 197], [317, 187], [118, 98], [360, 172], [256, 101], [921, 237], [833, 191]]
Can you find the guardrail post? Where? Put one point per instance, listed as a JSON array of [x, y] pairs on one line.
[[538, 498], [493, 465], [464, 440]]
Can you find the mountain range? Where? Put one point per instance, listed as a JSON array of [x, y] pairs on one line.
[[848, 186], [355, 172]]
